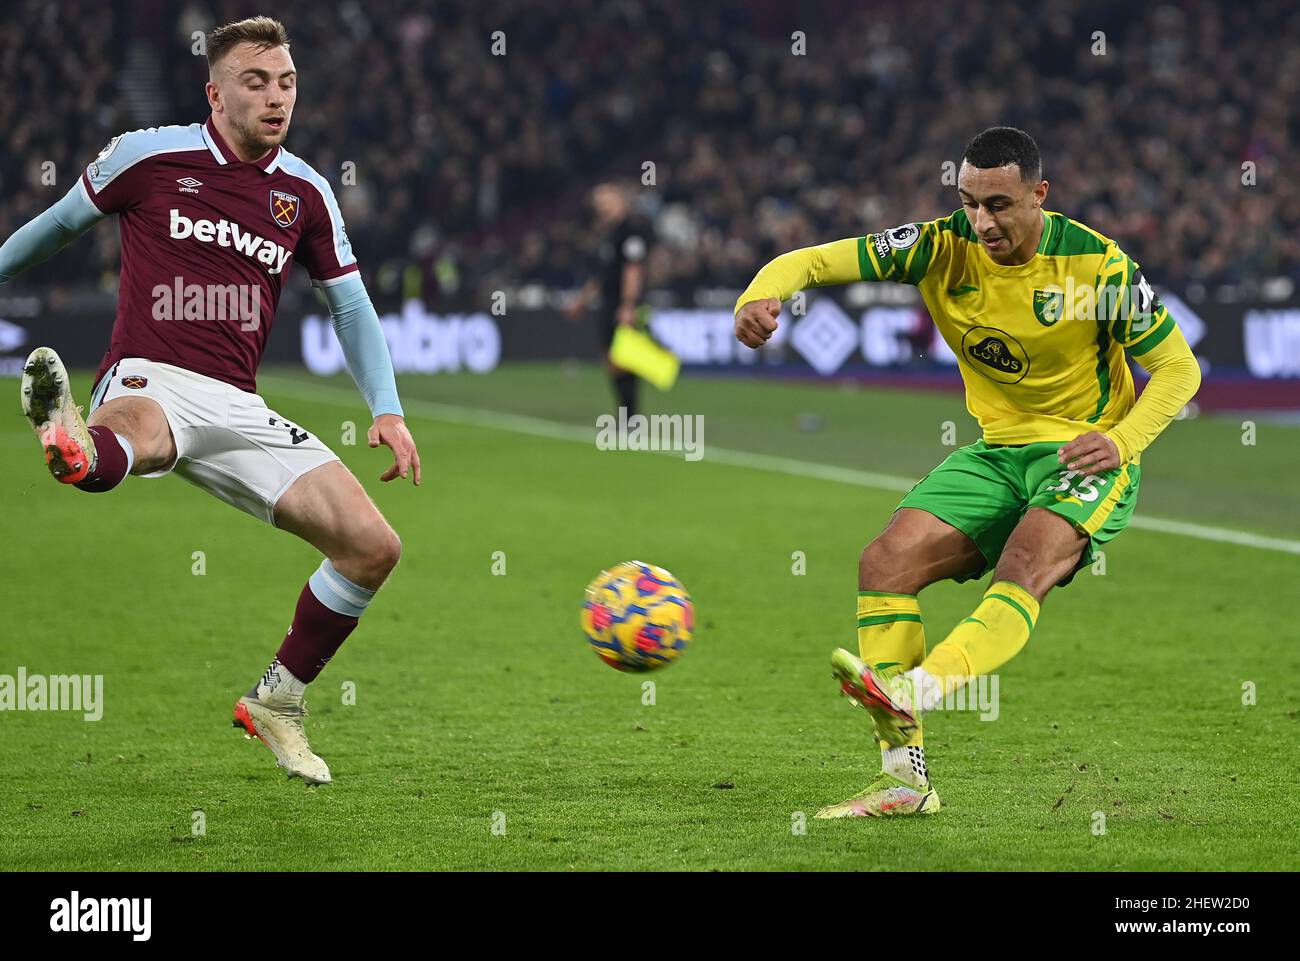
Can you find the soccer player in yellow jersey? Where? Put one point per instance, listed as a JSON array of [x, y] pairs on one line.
[[1039, 310]]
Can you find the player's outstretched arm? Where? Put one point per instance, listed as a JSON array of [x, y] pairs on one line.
[[760, 305], [46, 234], [357, 325]]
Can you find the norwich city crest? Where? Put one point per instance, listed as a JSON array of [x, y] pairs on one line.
[[1049, 306]]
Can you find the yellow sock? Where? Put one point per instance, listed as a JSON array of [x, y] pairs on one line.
[[891, 634], [986, 640], [891, 638]]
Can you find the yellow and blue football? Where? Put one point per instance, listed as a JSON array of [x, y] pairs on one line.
[[637, 617]]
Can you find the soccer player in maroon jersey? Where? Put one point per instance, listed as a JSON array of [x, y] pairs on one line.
[[212, 217]]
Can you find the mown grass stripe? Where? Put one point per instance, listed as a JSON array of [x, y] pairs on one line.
[[349, 399]]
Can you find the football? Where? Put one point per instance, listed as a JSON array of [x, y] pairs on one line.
[[637, 617]]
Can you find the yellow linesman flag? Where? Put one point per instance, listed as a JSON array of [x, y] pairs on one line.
[[636, 352]]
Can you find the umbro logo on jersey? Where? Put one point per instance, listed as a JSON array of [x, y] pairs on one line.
[[189, 185], [284, 208], [225, 234]]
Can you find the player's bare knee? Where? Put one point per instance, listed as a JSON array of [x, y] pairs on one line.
[[368, 560], [380, 554], [390, 551]]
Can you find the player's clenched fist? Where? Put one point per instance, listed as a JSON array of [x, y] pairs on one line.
[[756, 321]]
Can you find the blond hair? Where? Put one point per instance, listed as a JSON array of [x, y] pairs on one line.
[[263, 31]]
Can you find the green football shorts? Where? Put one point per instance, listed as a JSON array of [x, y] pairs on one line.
[[984, 489]]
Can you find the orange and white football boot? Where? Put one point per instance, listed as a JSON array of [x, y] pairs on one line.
[[47, 403]]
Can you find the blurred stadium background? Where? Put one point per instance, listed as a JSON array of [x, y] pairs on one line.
[[462, 174]]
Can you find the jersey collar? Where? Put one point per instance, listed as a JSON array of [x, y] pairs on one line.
[[224, 155], [1043, 241]]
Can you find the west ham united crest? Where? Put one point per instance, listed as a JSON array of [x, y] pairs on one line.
[[284, 208], [135, 382]]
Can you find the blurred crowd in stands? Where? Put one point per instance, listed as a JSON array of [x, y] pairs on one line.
[[475, 128]]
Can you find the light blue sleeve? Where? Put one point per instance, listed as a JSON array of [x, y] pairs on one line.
[[364, 348], [45, 235]]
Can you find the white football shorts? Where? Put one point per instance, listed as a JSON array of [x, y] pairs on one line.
[[228, 441]]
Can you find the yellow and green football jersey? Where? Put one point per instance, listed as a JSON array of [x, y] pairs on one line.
[[1040, 345]]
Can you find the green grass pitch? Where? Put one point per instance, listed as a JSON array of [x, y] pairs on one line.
[[477, 698]]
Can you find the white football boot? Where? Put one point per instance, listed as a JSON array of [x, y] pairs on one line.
[[272, 712], [47, 404], [885, 796]]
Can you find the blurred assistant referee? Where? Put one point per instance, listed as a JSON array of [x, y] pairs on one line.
[[621, 281]]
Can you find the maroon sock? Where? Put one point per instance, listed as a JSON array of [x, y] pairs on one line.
[[316, 633], [111, 463]]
